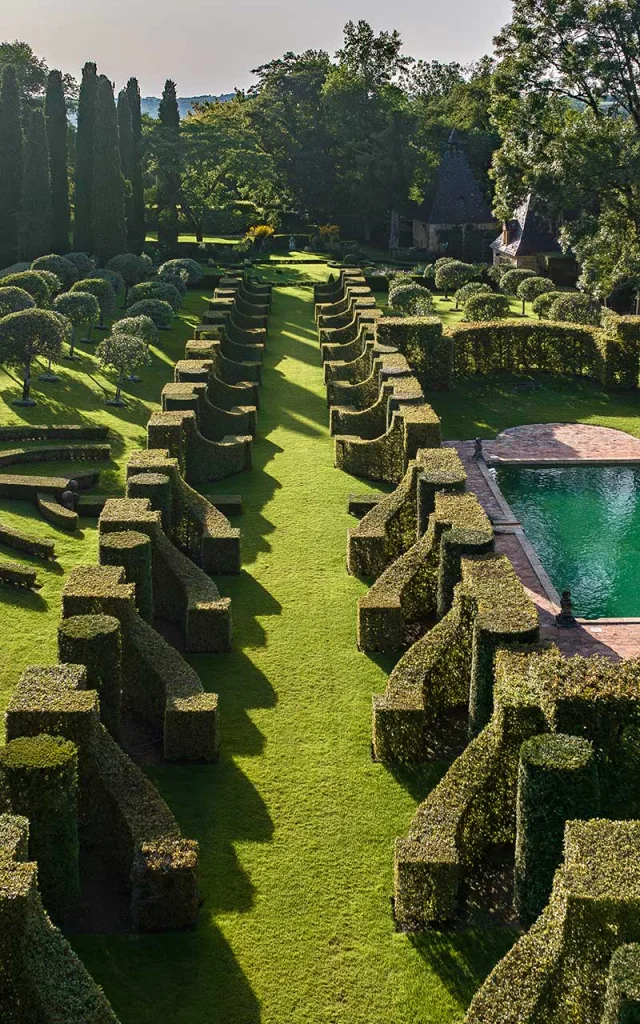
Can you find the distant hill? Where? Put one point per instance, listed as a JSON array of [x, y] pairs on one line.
[[150, 104]]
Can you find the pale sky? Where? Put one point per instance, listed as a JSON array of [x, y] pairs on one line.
[[210, 46]]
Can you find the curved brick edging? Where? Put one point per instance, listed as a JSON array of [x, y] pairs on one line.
[[558, 443]]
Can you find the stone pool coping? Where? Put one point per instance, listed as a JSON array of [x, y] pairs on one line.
[[614, 638]]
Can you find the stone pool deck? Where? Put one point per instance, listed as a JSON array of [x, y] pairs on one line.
[[551, 444]]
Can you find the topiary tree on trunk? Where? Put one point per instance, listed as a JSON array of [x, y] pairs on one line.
[[63, 268], [27, 334], [14, 300], [80, 308], [10, 165], [531, 288], [133, 269], [108, 230], [34, 282], [103, 292], [124, 354], [55, 110]]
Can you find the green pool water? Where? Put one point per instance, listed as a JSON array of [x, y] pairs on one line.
[[584, 523]]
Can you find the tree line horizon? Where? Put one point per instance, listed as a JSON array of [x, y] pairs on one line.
[[342, 139]]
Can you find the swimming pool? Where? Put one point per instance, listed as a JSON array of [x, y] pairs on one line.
[[584, 522]]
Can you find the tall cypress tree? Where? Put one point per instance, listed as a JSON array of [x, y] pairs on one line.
[[168, 167], [135, 222], [125, 138], [82, 239], [107, 197], [34, 234], [10, 165], [56, 116]]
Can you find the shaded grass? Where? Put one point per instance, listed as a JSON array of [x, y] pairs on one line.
[[296, 824], [483, 406]]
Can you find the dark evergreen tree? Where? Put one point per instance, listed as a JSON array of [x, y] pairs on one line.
[[34, 232], [108, 229], [168, 155], [125, 138], [10, 165], [56, 116], [82, 239], [135, 221]]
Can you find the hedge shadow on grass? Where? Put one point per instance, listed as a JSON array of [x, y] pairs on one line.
[[462, 961], [177, 969]]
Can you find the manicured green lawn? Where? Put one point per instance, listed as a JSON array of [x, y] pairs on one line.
[[483, 406], [296, 824]]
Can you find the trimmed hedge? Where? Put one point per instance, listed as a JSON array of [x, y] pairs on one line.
[[120, 810], [387, 457], [400, 518], [371, 423], [521, 346], [55, 432], [213, 423], [364, 392], [227, 371], [42, 979], [39, 780], [95, 641], [27, 543], [131, 550], [622, 1002], [182, 592], [557, 972], [420, 583], [194, 524], [62, 517], [474, 807], [620, 340], [18, 575], [557, 781], [428, 351], [577, 308], [200, 461], [57, 453], [158, 684]]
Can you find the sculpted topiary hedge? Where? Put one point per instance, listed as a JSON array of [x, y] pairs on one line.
[[41, 979], [576, 962]]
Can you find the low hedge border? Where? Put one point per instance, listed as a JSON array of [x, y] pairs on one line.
[[60, 453], [57, 514], [25, 542], [18, 575], [46, 432], [24, 487]]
